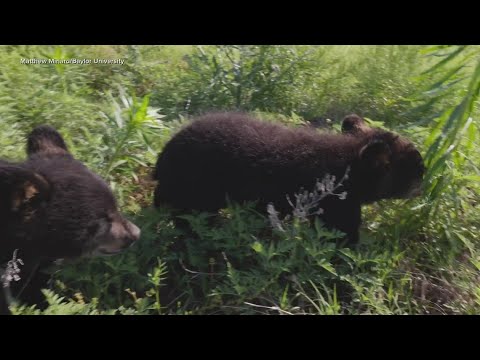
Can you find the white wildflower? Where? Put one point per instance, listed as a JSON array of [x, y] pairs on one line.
[[12, 270]]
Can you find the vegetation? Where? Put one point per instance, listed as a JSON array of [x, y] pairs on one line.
[[420, 256]]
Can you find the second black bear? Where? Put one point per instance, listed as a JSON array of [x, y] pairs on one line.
[[231, 155]]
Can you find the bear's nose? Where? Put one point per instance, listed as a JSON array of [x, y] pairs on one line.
[[134, 232]]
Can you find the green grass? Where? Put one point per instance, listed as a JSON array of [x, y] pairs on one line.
[[419, 256]]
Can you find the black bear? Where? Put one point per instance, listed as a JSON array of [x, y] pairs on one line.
[[53, 207], [230, 155]]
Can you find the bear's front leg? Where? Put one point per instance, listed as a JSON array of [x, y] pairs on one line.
[[344, 216]]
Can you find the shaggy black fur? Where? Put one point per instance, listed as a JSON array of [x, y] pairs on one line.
[[231, 155], [52, 206]]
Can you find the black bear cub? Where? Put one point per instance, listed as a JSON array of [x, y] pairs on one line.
[[230, 155], [53, 207]]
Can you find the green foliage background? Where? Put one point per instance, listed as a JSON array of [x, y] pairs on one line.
[[418, 257]]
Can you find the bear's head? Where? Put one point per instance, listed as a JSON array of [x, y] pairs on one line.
[[53, 207], [388, 166]]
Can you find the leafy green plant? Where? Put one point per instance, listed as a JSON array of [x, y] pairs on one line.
[[245, 77], [134, 122], [156, 279], [129, 142]]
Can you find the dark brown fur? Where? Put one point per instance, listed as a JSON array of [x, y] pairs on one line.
[[52, 206], [231, 155]]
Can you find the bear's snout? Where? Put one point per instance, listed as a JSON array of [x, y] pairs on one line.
[[123, 234], [134, 233]]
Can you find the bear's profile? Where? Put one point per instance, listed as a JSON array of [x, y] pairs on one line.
[[53, 207], [230, 155]]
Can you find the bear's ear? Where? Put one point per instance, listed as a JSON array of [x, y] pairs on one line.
[[45, 139], [354, 124], [20, 186], [376, 155]]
